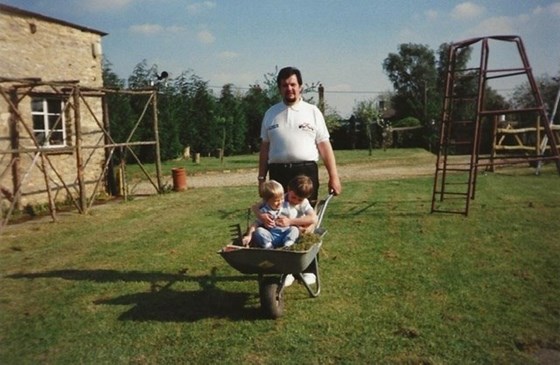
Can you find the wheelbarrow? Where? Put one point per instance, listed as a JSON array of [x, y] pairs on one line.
[[274, 265]]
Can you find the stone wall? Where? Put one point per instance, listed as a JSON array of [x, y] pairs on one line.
[[35, 46]]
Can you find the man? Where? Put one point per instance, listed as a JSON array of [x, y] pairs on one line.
[[293, 136]]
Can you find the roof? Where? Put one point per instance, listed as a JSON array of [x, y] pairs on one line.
[[17, 11]]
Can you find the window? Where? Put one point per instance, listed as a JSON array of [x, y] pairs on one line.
[[49, 126]]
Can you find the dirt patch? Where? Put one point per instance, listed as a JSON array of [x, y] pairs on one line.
[[547, 357], [357, 172]]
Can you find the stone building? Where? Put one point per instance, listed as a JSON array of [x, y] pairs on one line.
[[51, 110]]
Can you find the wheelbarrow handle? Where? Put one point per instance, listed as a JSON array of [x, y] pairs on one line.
[[322, 209]]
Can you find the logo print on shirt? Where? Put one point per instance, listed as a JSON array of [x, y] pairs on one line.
[[306, 127]]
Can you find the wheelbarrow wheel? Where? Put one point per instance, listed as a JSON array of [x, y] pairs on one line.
[[272, 301]]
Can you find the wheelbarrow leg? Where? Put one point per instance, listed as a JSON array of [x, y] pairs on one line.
[[314, 269]]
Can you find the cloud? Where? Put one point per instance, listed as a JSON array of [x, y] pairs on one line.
[[467, 10], [497, 25], [408, 35], [196, 8], [105, 5], [147, 29], [553, 9], [431, 15], [535, 21], [205, 36], [175, 29], [153, 29], [228, 55]]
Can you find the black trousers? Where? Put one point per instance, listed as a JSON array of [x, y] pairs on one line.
[[284, 172]]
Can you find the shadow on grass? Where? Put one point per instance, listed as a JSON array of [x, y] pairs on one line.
[[161, 302], [413, 208], [169, 305]]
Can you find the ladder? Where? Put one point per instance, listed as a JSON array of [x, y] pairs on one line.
[[463, 115]]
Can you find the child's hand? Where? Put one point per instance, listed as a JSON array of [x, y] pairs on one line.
[[267, 220], [283, 221], [246, 240]]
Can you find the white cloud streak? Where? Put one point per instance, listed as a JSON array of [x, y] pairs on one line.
[[154, 29], [146, 29], [205, 36], [467, 10], [228, 55], [196, 8]]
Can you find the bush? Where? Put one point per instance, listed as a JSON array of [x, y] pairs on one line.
[[406, 122]]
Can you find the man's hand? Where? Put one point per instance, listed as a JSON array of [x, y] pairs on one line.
[[335, 186]]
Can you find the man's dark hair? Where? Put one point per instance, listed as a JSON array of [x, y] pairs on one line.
[[286, 72]]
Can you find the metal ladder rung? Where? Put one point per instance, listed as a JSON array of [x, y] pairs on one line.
[[453, 193], [468, 69], [452, 170]]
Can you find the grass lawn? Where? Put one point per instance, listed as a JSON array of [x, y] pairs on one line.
[[141, 282], [406, 157]]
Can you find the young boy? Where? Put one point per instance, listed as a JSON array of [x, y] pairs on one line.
[[301, 213], [276, 233]]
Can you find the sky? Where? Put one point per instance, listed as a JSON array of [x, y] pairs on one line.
[[338, 43]]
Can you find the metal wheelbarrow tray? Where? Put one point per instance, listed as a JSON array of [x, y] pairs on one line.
[[252, 260]]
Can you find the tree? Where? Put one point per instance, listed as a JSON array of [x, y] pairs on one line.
[[255, 103], [523, 96], [120, 112], [367, 114], [332, 118], [233, 122], [169, 114], [413, 73], [203, 123]]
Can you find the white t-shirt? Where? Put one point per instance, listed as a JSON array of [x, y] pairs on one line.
[[296, 211], [293, 132]]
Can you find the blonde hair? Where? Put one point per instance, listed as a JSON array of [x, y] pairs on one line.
[[272, 189]]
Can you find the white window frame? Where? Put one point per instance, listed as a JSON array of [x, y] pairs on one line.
[[49, 118]]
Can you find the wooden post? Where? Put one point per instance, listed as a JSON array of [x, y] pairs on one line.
[[110, 182], [52, 206], [494, 142], [321, 98], [14, 142], [79, 159], [156, 136], [538, 150]]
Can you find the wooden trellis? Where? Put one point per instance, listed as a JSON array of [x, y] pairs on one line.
[[527, 141], [76, 96]]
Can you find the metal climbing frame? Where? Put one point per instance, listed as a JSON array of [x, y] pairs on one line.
[[464, 115]]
